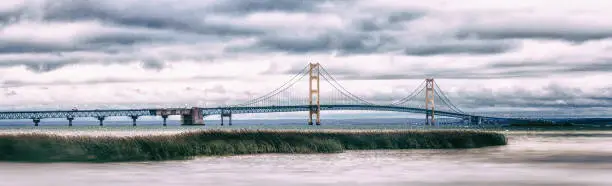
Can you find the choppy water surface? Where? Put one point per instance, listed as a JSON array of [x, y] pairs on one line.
[[552, 158]]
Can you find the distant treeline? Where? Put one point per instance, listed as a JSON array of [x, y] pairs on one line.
[[563, 122], [57, 148]]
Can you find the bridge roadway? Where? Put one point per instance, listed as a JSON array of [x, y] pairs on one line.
[[189, 116], [298, 108], [12, 115]]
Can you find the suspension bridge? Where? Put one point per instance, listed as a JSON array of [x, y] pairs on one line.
[[322, 93]]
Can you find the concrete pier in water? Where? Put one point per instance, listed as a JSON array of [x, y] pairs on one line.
[[192, 116]]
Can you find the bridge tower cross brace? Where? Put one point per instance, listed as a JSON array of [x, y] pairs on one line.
[[313, 94], [429, 101]]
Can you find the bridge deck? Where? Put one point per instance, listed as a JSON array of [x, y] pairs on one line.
[[209, 111]]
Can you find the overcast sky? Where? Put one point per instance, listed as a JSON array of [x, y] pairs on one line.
[[516, 55]]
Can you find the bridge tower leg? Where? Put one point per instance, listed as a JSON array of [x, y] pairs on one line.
[[429, 101], [134, 118], [36, 121], [70, 118], [101, 119], [313, 94], [165, 117]]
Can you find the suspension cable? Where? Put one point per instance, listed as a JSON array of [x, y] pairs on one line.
[[415, 92], [445, 97], [341, 87], [277, 90]]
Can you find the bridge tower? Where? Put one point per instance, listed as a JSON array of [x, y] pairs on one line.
[[313, 94], [429, 101]]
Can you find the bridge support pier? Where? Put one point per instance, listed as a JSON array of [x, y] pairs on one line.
[[165, 117], [226, 114], [36, 121], [194, 117], [475, 120], [134, 118], [101, 119], [429, 118], [70, 118]]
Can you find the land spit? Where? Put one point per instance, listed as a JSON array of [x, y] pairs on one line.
[[45, 147]]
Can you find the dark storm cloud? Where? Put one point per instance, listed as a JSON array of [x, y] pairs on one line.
[[460, 47], [546, 67], [45, 67], [148, 17], [568, 34], [11, 15], [343, 43], [19, 83], [603, 66], [510, 64], [525, 99], [388, 21], [362, 36], [39, 65], [99, 43], [121, 39], [250, 6], [153, 64], [7, 47], [552, 96]]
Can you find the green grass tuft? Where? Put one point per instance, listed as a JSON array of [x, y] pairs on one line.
[[56, 148]]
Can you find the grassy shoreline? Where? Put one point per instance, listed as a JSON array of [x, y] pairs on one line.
[[36, 147]]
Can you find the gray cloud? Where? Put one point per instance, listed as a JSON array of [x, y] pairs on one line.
[[101, 43], [249, 6], [510, 64], [144, 16], [569, 33], [153, 64], [553, 96], [19, 83], [494, 70], [483, 73], [390, 21], [9, 93], [41, 64], [599, 66], [460, 47], [342, 43], [361, 36], [139, 26], [120, 39], [7, 47], [45, 67], [546, 67]]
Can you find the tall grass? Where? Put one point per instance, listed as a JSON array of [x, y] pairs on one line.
[[55, 148]]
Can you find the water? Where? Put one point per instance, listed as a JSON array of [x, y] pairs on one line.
[[530, 158]]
